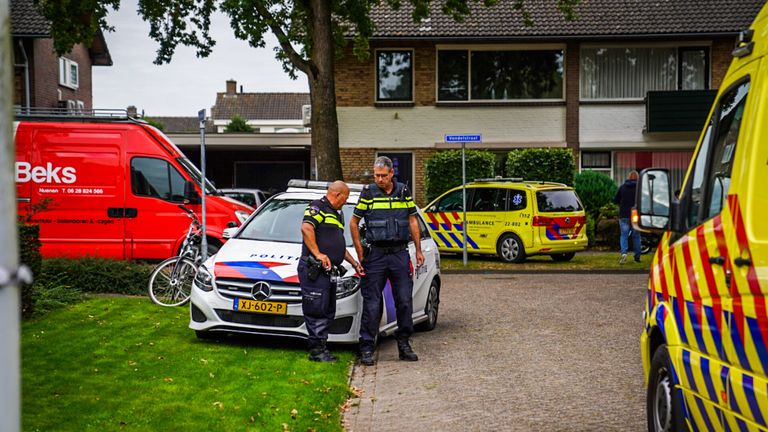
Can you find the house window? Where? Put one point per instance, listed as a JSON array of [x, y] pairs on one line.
[[500, 75], [68, 73], [394, 73], [630, 72], [597, 161]]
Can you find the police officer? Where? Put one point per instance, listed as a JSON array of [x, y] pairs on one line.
[[322, 230], [390, 221]]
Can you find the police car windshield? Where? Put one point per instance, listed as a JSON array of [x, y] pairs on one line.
[[557, 201], [279, 220]]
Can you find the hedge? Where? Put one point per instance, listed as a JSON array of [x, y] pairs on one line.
[[443, 170], [97, 275], [29, 255], [548, 164], [595, 190]]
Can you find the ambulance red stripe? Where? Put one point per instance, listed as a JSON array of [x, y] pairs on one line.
[[710, 278]]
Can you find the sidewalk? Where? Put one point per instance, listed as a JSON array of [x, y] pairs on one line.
[[527, 354]]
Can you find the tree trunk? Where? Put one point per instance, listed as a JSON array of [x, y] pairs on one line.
[[322, 93]]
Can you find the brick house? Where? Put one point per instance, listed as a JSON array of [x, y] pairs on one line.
[[277, 151], [626, 86], [43, 79]]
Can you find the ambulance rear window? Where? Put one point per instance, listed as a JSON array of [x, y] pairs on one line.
[[552, 201]]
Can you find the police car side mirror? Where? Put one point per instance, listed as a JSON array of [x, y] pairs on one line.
[[653, 201], [229, 232]]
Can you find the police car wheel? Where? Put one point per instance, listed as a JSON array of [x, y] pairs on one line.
[[431, 308], [511, 249], [663, 404], [562, 257]]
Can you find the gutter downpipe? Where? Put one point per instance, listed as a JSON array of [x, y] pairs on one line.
[[25, 65]]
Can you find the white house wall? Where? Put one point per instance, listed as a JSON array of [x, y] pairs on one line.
[[413, 127], [613, 127]]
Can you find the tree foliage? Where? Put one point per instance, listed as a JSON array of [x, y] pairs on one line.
[[238, 125], [443, 170], [548, 164], [310, 34]]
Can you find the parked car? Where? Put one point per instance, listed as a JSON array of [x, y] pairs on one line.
[[704, 341], [252, 286], [251, 197], [511, 218], [110, 187]]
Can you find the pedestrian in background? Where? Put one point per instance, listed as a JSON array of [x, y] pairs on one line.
[[323, 247], [390, 221], [625, 198]]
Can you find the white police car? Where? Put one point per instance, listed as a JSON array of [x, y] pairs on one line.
[[252, 286]]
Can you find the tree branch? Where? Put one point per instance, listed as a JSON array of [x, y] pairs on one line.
[[297, 60]]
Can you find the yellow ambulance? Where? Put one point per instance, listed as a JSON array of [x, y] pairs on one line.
[[510, 218], [705, 343]]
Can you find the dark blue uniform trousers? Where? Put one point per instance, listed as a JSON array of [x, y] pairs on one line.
[[379, 267], [318, 304]]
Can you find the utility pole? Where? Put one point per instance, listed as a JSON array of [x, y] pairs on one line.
[[10, 297]]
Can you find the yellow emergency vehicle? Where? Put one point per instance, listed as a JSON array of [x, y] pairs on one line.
[[705, 343], [511, 218]]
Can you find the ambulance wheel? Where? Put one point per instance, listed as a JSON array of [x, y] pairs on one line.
[[562, 257], [511, 249], [431, 308], [663, 404]]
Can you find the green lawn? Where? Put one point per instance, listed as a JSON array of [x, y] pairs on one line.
[[582, 261], [123, 363]]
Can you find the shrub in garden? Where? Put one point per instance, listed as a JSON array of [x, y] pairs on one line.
[[443, 170], [595, 190], [97, 275], [29, 255], [549, 164]]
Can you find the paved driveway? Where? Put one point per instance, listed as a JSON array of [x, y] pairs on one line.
[[535, 352]]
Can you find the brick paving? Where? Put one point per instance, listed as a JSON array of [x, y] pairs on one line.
[[547, 352]]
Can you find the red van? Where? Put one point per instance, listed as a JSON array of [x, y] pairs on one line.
[[111, 188]]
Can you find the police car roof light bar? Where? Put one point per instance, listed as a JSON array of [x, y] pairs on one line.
[[320, 185]]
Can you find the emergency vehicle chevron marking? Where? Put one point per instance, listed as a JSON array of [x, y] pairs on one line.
[[678, 302], [737, 331], [709, 277], [447, 223], [706, 372], [759, 300], [695, 308], [433, 224], [443, 239], [749, 391]]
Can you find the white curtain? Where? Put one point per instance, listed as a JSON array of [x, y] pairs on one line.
[[675, 161], [627, 73]]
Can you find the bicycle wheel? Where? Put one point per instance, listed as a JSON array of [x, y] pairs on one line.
[[172, 288]]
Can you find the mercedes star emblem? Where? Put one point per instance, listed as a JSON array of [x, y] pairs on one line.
[[261, 290]]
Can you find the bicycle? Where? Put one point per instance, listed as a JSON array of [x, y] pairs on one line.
[[170, 283]]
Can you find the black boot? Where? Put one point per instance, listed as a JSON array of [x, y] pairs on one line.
[[405, 350], [366, 358], [320, 353]]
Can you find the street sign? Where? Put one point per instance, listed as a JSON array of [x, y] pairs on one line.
[[462, 138]]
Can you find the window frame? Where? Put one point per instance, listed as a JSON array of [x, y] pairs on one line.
[[65, 73], [376, 98], [679, 47], [500, 47]]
